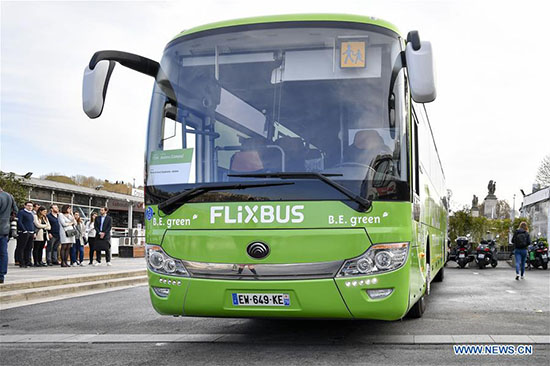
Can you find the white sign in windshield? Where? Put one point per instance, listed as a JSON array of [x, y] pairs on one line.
[[169, 167]]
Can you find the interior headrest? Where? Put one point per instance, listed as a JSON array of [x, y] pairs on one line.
[[367, 139], [246, 161]]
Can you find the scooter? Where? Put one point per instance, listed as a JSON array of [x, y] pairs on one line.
[[486, 253], [462, 252], [537, 255]]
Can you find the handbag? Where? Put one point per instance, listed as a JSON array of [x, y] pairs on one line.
[[70, 232]]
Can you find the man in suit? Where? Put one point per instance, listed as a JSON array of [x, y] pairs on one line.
[[25, 232], [103, 225]]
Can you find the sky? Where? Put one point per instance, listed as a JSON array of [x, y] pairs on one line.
[[488, 119]]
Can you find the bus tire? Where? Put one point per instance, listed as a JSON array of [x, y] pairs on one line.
[[418, 308], [439, 276]]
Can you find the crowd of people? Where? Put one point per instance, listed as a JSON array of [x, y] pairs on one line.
[[52, 238]]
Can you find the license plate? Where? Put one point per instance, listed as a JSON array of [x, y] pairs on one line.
[[461, 255], [260, 299], [481, 255]]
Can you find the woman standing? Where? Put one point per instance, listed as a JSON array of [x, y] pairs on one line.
[[77, 249], [521, 241], [67, 233], [90, 235], [42, 225]]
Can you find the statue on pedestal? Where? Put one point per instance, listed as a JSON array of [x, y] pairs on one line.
[[490, 202], [475, 201], [492, 186], [475, 209]]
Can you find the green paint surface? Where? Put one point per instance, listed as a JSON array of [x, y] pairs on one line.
[[293, 18]]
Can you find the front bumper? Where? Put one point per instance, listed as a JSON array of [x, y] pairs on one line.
[[313, 298]]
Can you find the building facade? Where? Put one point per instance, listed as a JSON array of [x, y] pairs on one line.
[[536, 206], [126, 210]]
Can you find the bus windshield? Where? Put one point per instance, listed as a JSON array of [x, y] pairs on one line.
[[277, 99]]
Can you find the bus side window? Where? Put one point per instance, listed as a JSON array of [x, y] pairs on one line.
[[172, 134], [416, 164]]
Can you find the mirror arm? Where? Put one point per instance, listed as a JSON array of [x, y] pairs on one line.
[[135, 62]]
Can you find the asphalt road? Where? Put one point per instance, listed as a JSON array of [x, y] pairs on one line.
[[468, 302]]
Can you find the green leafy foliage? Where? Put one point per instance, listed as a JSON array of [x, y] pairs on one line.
[[10, 183], [462, 223]]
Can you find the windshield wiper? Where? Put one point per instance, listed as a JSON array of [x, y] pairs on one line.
[[364, 204], [172, 204]]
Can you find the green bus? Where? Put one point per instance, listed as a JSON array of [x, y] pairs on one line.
[[291, 170]]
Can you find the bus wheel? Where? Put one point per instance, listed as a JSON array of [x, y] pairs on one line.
[[418, 309], [439, 276]]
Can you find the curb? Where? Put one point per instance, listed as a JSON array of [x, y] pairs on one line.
[[254, 339], [18, 293]]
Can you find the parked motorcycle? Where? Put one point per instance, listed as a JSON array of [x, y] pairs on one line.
[[462, 254], [486, 253], [537, 255]]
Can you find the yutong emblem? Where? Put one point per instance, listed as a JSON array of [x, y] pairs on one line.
[[257, 250]]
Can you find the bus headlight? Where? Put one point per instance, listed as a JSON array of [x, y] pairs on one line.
[[378, 258], [160, 262], [156, 260]]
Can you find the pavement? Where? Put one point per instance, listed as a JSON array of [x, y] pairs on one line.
[[17, 275], [471, 306]]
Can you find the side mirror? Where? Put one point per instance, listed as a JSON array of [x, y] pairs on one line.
[[94, 87], [98, 72], [421, 70]]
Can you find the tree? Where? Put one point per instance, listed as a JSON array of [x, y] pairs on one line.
[[462, 223], [479, 228], [503, 209], [543, 173], [12, 184]]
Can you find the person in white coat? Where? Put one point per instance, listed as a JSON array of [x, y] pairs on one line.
[[67, 233], [42, 225]]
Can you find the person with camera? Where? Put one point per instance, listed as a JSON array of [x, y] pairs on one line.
[[67, 233], [77, 249], [7, 208], [25, 235], [53, 237], [42, 226]]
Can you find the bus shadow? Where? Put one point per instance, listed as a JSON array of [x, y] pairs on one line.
[[314, 331]]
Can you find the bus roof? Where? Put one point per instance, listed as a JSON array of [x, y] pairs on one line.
[[292, 18]]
